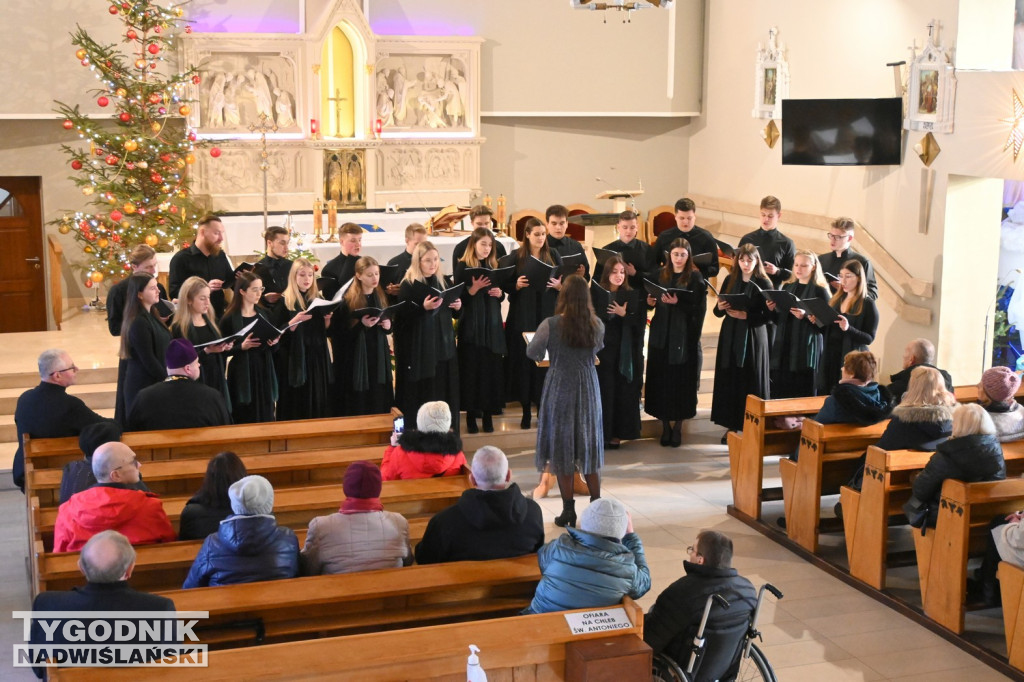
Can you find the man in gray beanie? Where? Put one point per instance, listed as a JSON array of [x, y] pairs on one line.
[[592, 566], [249, 546]]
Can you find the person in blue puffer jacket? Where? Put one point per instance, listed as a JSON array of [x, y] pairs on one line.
[[593, 566], [248, 546]]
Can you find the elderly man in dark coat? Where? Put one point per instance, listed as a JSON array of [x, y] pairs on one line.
[[47, 411], [490, 521], [180, 401], [107, 562]]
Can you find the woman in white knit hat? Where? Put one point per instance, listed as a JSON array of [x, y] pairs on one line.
[[431, 449]]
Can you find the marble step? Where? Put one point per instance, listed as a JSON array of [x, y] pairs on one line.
[[96, 396], [25, 380]]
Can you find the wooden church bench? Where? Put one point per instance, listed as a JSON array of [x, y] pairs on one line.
[[368, 601], [965, 511], [525, 648], [179, 476], [828, 455], [867, 514], [295, 506], [1011, 585], [758, 440]]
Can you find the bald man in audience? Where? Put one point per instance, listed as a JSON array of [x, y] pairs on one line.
[[112, 504], [918, 353], [107, 562], [47, 411], [492, 520]]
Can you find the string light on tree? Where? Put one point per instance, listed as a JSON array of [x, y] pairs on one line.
[[135, 172]]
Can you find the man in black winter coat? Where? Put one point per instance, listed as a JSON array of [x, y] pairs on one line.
[[919, 352], [47, 411], [490, 521], [672, 622]]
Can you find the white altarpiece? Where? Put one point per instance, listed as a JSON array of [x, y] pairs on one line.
[[422, 93]]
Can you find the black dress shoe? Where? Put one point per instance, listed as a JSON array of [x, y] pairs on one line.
[[525, 421], [676, 440], [611, 446], [725, 438], [488, 423], [666, 437]]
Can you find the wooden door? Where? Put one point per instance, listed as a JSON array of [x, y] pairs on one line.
[[22, 286]]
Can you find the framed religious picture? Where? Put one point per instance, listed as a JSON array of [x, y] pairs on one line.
[[345, 177], [771, 78], [931, 90]]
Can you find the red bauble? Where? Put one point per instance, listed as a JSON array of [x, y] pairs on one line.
[[131, 34], [196, 80], [155, 98], [116, 238], [188, 29], [153, 48], [174, 209], [76, 164], [88, 282], [113, 9], [111, 160], [161, 222], [127, 266], [316, 267], [185, 245], [157, 29], [192, 136], [85, 62], [103, 101], [152, 65], [165, 157], [125, 117], [215, 152], [107, 64], [68, 125], [125, 6], [116, 215], [161, 111], [156, 178]]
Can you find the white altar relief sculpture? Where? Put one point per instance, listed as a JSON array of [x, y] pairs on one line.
[[237, 87], [422, 91]]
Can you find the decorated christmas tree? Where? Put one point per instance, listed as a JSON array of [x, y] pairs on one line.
[[134, 167]]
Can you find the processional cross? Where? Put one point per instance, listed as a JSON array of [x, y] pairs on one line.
[[264, 127], [337, 99]]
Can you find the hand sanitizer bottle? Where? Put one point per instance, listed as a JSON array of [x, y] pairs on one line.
[[474, 673]]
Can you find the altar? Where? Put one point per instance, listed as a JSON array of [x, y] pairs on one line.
[[334, 113]]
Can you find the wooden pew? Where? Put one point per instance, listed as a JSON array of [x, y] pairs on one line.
[[524, 648], [965, 510], [758, 440], [164, 566], [1011, 585], [303, 434], [178, 476], [868, 513], [828, 456], [328, 605], [294, 507]]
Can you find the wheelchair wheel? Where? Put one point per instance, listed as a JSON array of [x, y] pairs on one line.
[[667, 670], [755, 667]]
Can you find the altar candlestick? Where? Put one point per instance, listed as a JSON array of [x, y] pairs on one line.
[[318, 221], [332, 221]]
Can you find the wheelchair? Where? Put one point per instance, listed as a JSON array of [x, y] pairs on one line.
[[721, 655]]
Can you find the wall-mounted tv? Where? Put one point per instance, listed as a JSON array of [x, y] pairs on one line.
[[842, 132]]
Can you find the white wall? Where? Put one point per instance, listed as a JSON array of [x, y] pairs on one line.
[[840, 50]]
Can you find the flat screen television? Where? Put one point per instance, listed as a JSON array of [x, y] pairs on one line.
[[842, 132]]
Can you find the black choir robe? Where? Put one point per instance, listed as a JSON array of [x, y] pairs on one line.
[[620, 368], [481, 349], [640, 255], [148, 339], [527, 308], [832, 264], [776, 248], [796, 350], [362, 362], [673, 355], [567, 246], [211, 365], [701, 241], [741, 363], [427, 367], [860, 335], [251, 379], [303, 365]]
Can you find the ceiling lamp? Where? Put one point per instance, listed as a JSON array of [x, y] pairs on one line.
[[620, 5]]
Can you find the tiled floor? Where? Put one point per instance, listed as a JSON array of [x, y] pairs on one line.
[[823, 630]]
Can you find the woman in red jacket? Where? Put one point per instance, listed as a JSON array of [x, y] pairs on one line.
[[431, 450]]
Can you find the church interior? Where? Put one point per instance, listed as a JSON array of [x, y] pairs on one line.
[[384, 112]]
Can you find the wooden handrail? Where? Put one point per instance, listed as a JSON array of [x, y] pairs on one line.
[[893, 280], [54, 255]]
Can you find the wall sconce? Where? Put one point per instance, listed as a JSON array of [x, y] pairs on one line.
[[314, 128]]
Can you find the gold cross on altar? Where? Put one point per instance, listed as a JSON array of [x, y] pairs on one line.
[[266, 125], [337, 99]]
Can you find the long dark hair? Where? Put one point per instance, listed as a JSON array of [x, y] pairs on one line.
[[470, 259], [243, 280], [579, 323], [667, 271], [609, 265], [354, 295], [132, 308], [524, 246], [223, 470], [857, 296], [736, 276]]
